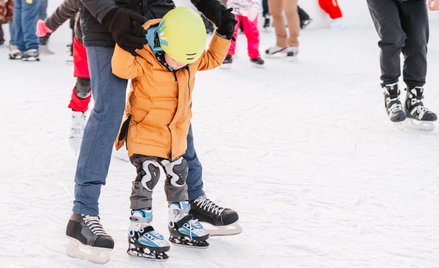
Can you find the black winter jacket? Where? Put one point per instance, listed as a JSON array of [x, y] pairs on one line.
[[65, 11], [93, 11]]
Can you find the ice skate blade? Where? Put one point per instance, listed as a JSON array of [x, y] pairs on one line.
[[75, 143], [292, 58], [226, 66], [182, 242], [225, 230], [78, 250], [149, 256], [121, 154], [258, 66], [278, 55], [419, 125], [399, 125]]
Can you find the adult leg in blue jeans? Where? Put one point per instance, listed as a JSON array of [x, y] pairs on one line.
[[94, 158], [223, 220], [24, 24]]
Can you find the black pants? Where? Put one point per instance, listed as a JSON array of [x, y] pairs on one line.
[[402, 28], [2, 37]]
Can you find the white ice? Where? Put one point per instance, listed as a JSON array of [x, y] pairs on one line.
[[302, 150]]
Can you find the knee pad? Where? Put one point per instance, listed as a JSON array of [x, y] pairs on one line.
[[151, 169], [176, 172], [82, 87]]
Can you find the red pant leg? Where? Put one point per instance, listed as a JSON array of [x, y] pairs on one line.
[[80, 60], [78, 104], [331, 7], [80, 70], [251, 31], [235, 35]]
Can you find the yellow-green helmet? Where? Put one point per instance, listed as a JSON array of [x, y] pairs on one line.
[[182, 35]]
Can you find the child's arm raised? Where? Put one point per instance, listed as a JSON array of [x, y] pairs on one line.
[[125, 65], [214, 56]]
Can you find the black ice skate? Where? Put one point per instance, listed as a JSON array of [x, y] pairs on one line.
[[257, 62], [420, 116], [227, 63], [393, 104], [87, 239], [183, 229], [217, 220], [143, 240]]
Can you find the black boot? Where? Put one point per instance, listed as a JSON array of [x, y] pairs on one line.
[[414, 107], [392, 103], [87, 239]]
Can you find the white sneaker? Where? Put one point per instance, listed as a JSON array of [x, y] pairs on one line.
[[44, 49], [292, 53], [77, 131], [275, 50]]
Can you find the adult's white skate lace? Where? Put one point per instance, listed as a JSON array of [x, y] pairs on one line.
[[93, 223], [205, 203]]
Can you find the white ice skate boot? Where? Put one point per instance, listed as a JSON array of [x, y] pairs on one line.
[[77, 130]]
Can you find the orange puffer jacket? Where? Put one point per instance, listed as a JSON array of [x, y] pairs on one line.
[[159, 101]]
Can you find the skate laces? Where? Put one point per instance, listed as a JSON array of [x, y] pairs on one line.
[[420, 109], [93, 223], [396, 106], [205, 203]]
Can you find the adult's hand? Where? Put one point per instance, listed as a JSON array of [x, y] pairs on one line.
[[126, 28], [228, 23]]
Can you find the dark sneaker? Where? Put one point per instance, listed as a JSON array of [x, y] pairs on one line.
[[414, 107], [87, 239], [266, 22], [31, 55], [258, 62], [305, 23], [228, 59], [227, 63], [392, 103]]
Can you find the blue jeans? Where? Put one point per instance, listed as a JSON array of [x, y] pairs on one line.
[[194, 179], [24, 24], [42, 13], [100, 132]]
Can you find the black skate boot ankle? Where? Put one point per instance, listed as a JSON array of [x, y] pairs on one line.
[[392, 103], [87, 239], [217, 220], [414, 107]]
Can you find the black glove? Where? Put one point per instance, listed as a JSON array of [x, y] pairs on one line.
[[211, 9], [228, 23], [126, 28]]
